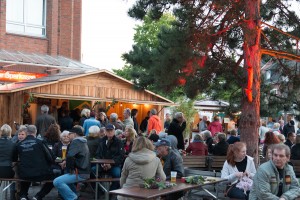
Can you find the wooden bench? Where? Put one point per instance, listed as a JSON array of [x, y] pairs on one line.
[[215, 163], [296, 166], [198, 162], [7, 182]]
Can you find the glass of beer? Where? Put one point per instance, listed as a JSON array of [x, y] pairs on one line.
[[64, 152], [173, 176]]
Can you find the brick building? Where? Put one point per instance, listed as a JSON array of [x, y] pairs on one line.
[[40, 51], [50, 27]]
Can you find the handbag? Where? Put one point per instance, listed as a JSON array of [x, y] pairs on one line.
[[229, 188]]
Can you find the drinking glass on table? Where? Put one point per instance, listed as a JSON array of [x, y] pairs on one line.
[[64, 152]]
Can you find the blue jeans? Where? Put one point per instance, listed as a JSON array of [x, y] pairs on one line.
[[115, 172], [65, 185]]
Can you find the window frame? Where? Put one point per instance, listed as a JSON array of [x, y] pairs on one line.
[[26, 25]]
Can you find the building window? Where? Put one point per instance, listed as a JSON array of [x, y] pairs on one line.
[[26, 17]]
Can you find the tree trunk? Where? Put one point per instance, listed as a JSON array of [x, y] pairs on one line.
[[249, 122]]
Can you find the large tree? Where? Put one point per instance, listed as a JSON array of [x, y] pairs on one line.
[[209, 40]]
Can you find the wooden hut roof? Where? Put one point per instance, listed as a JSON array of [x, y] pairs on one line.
[[59, 86]]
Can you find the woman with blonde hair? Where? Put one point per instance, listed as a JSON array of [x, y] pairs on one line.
[[141, 163], [7, 152], [129, 135], [236, 166]]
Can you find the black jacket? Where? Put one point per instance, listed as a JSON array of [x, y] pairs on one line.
[[135, 124], [93, 144], [35, 158], [144, 124], [220, 148], [295, 152], [173, 162], [7, 152], [112, 150], [43, 122], [288, 143], [177, 130], [287, 129], [78, 156], [209, 142]]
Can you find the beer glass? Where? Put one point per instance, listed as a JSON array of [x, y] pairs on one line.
[[64, 152]]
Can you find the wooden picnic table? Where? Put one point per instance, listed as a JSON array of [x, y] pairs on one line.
[[143, 193], [102, 161], [104, 186]]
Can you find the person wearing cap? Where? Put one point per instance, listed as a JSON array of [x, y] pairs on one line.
[[111, 147], [90, 122], [77, 166], [171, 162], [35, 160]]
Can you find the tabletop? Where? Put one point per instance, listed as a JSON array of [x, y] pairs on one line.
[[143, 193], [103, 161]]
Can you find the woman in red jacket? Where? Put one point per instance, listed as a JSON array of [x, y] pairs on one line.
[[197, 147]]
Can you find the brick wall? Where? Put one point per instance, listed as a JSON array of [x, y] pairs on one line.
[[63, 36]]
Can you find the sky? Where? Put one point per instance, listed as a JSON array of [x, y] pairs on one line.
[[107, 32]]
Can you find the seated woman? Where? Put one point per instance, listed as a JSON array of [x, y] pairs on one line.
[[52, 135], [270, 138], [197, 147], [93, 140], [237, 165], [129, 134], [7, 152], [141, 163], [57, 151]]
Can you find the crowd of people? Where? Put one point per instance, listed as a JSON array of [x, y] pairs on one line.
[[31, 152], [140, 152]]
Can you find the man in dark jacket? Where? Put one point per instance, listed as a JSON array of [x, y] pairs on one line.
[[291, 138], [110, 147], [144, 123], [77, 166], [44, 121], [221, 147], [35, 163], [176, 128], [171, 162], [289, 126], [233, 137]]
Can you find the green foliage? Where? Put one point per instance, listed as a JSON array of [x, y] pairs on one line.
[[152, 183], [210, 31], [195, 179], [125, 72], [186, 106]]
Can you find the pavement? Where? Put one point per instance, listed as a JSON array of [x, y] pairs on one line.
[[87, 194]]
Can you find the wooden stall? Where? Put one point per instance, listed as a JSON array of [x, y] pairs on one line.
[[97, 86]]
